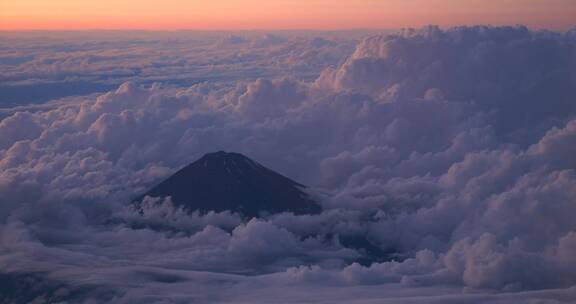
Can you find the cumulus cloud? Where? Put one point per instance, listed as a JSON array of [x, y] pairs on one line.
[[38, 68], [448, 152], [506, 71]]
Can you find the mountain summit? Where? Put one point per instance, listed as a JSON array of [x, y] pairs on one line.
[[223, 181]]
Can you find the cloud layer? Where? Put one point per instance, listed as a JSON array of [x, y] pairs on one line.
[[449, 150]]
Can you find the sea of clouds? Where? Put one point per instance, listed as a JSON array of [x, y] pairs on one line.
[[453, 151]]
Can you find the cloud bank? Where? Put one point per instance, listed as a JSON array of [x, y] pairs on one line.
[[50, 65], [450, 150]]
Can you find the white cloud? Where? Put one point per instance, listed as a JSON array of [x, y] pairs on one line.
[[452, 151]]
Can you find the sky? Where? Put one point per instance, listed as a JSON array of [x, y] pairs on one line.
[[279, 14]]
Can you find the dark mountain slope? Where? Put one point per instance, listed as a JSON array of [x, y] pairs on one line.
[[230, 181]]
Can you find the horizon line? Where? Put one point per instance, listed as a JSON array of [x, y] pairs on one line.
[[279, 29]]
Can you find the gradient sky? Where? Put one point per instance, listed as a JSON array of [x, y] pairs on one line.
[[280, 14]]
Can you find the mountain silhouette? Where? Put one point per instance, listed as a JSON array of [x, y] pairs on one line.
[[224, 181]]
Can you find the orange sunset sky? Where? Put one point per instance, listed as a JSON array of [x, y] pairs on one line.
[[280, 14]]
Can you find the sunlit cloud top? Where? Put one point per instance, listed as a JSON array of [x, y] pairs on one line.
[[280, 14]]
